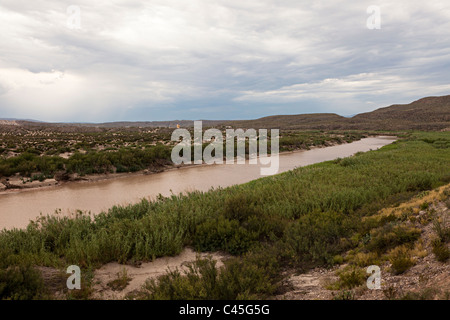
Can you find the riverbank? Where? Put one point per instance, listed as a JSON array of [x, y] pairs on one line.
[[28, 159], [19, 207], [16, 183]]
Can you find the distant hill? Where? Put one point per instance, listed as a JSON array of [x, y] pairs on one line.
[[299, 121], [431, 113], [23, 125], [155, 124]]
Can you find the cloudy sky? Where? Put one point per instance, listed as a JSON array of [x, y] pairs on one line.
[[89, 61]]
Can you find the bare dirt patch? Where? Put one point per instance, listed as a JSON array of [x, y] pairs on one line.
[[139, 274]]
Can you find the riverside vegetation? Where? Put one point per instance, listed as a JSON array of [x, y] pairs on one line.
[[298, 220], [41, 154]]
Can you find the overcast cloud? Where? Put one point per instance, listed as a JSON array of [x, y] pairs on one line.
[[214, 59]]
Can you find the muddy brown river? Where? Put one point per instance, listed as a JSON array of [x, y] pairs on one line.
[[17, 208]]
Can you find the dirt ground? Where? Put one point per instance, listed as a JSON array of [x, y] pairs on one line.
[[139, 274]]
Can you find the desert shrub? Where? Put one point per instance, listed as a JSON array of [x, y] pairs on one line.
[[240, 207], [316, 237], [337, 259], [237, 279], [400, 259], [363, 259], [21, 283], [245, 280], [442, 229], [390, 236], [267, 229], [439, 243], [420, 181], [223, 234], [175, 286], [424, 206], [121, 282], [349, 278], [440, 250]]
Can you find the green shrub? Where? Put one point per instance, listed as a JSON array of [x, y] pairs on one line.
[[442, 229], [21, 283], [400, 259], [390, 236], [440, 250], [267, 229], [245, 280], [121, 282], [424, 206], [316, 237], [240, 207], [222, 234], [237, 279], [349, 278]]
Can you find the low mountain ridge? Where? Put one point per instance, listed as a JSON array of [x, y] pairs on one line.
[[430, 113]]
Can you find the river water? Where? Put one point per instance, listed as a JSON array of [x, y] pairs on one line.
[[17, 208]]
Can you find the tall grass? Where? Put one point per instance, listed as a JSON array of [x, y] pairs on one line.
[[297, 218]]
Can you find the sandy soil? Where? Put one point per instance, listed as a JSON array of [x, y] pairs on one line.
[[17, 183], [139, 274]]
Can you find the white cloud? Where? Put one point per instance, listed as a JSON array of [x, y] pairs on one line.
[[352, 90], [56, 95], [139, 60]]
